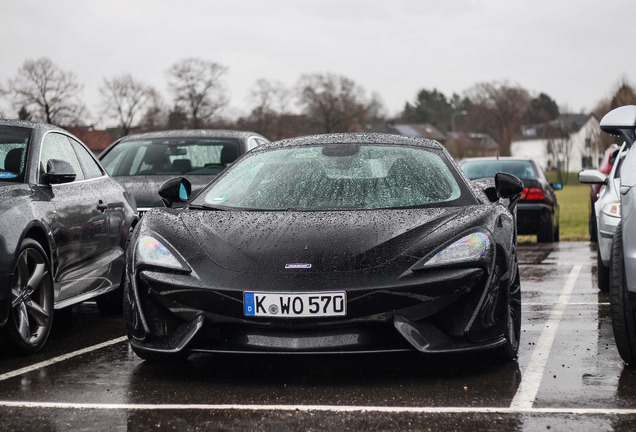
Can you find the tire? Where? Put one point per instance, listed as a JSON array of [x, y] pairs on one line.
[[31, 315], [602, 274], [510, 349], [621, 310], [545, 234]]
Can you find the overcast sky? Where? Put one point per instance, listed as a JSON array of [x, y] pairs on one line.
[[576, 51]]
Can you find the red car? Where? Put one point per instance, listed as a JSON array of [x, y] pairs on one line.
[[606, 166]]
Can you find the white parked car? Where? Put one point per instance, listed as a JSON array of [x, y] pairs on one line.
[[622, 288], [607, 210]]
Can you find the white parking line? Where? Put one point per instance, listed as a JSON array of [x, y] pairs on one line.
[[569, 304], [324, 408], [531, 380], [61, 358]]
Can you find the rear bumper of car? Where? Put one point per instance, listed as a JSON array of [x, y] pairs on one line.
[[531, 216], [449, 310]]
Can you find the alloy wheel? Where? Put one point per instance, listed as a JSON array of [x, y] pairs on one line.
[[31, 300]]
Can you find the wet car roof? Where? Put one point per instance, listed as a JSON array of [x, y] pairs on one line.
[[31, 125], [194, 133], [352, 138]]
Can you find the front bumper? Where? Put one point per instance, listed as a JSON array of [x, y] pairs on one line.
[[444, 310], [628, 209], [606, 228]]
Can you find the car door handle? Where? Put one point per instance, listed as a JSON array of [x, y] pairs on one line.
[[102, 206]]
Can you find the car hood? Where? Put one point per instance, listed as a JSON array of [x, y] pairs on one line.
[[270, 242], [146, 188]]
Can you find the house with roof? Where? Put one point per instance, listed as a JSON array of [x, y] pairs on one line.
[[462, 145], [424, 130], [95, 139], [459, 144], [570, 143]]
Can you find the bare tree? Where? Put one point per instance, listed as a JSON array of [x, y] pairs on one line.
[[499, 109], [124, 99], [198, 89], [622, 94], [271, 100], [596, 148], [156, 115], [270, 96], [47, 92], [560, 146], [333, 103], [3, 95]]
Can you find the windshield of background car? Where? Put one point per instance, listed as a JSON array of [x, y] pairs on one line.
[[13, 146], [339, 177], [171, 156], [488, 168]]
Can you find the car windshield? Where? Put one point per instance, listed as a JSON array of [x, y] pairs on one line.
[[477, 169], [13, 145], [338, 177], [171, 156]]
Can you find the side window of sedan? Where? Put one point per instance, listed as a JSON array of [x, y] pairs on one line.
[[91, 168], [58, 146]]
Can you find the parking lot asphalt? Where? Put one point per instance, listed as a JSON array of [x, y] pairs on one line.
[[568, 376]]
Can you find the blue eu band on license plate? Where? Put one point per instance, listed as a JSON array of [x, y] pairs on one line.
[[295, 304]]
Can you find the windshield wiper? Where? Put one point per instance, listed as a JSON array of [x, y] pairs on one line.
[[207, 207]]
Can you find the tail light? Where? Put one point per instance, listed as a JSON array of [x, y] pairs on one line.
[[532, 194]]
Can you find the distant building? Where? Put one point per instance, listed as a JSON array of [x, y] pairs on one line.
[[463, 145], [424, 130], [568, 143], [96, 140], [459, 144]]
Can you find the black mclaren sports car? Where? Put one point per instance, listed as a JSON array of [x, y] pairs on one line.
[[342, 243]]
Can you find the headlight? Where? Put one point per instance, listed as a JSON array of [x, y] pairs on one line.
[[612, 209], [151, 251], [472, 247]]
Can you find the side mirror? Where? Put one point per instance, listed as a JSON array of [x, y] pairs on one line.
[[175, 190], [590, 176], [59, 171], [621, 121], [507, 185]]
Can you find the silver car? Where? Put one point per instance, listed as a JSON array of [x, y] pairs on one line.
[[622, 121], [607, 210]]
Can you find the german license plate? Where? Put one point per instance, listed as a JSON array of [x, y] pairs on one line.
[[295, 304]]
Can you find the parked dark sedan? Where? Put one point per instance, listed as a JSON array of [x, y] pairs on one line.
[[538, 209], [142, 162], [344, 243], [64, 224]]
